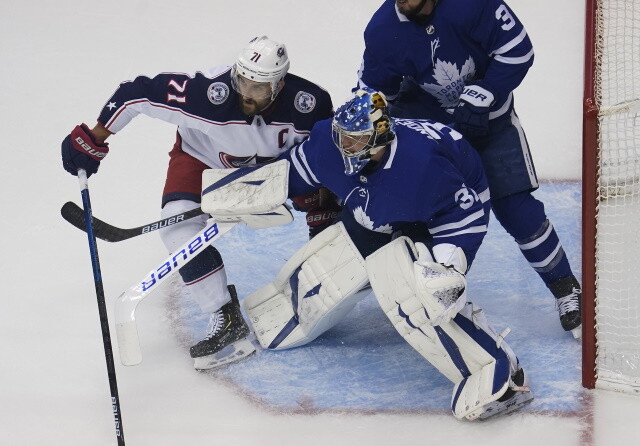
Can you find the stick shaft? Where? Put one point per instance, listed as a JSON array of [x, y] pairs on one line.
[[104, 322]]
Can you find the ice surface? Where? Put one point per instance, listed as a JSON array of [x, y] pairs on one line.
[[357, 385]]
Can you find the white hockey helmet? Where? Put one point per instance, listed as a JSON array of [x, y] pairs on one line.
[[263, 60]]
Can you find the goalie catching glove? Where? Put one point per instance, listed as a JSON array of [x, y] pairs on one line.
[[81, 150]]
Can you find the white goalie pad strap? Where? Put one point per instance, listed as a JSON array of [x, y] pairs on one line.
[[313, 291], [244, 191], [481, 388], [456, 349]]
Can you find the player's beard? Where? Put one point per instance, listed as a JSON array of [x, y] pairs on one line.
[[252, 107], [411, 12]]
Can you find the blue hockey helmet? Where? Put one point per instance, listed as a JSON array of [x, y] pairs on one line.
[[361, 128]]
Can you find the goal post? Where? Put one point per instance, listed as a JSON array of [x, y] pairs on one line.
[[611, 197]]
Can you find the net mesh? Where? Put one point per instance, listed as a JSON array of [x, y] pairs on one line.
[[618, 192]]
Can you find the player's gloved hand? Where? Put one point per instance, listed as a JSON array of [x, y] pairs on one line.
[[471, 116], [81, 150], [321, 207]]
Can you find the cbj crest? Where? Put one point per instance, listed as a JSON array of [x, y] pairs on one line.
[[304, 102], [218, 92]]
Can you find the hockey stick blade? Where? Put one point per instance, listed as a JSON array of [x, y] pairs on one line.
[[125, 307], [74, 214]]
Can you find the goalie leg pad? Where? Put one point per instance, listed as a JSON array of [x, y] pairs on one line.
[[480, 388], [314, 290], [459, 347]]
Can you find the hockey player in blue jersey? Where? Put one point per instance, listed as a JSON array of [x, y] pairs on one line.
[[458, 61], [229, 116], [415, 211]]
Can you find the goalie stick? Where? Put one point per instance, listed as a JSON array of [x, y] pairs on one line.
[[104, 231]]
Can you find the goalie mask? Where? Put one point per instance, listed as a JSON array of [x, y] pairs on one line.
[[259, 69], [361, 128]]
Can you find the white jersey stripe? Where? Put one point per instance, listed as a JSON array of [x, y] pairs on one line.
[[525, 149], [459, 224], [515, 60], [510, 45], [471, 230], [301, 166], [142, 106], [485, 195]]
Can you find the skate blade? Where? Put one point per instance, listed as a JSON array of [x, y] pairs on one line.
[[577, 332], [503, 408], [231, 353]]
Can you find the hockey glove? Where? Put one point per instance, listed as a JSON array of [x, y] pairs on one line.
[[321, 207], [471, 116], [81, 150]]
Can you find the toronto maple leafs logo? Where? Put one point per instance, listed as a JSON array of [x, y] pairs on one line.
[[358, 200], [450, 81]]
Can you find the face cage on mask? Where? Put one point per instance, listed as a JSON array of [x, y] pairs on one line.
[[339, 133], [354, 162], [235, 83]]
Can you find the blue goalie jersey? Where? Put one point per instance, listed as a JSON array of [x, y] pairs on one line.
[[429, 174], [464, 41]]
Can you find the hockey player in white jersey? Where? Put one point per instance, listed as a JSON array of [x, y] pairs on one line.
[[240, 115], [458, 61], [415, 211]]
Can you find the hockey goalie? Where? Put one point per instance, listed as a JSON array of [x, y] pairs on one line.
[[415, 210]]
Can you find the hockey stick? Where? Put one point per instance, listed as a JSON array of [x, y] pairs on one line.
[[104, 231], [125, 308], [104, 323]]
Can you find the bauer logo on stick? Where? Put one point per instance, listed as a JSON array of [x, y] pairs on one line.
[[179, 258]]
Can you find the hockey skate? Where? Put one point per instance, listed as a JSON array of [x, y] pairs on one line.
[[569, 302], [227, 337], [517, 395]]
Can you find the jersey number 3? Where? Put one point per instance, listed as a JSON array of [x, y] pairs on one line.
[[502, 13]]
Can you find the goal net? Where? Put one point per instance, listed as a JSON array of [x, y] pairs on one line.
[[611, 196]]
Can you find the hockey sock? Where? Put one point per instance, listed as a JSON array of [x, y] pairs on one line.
[[524, 219], [206, 280]]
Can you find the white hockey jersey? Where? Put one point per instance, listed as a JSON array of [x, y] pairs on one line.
[[210, 122]]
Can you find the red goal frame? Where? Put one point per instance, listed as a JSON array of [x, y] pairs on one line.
[[590, 135]]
